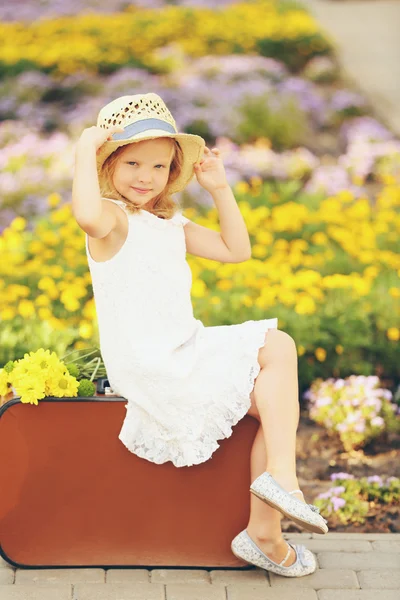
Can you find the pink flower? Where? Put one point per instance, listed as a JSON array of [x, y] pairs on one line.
[[337, 502], [378, 421]]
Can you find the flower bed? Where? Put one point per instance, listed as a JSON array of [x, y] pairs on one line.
[[89, 42], [371, 501]]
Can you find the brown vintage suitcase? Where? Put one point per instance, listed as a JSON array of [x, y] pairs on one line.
[[72, 495]]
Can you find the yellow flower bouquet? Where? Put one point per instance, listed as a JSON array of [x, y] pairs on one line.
[[42, 373]]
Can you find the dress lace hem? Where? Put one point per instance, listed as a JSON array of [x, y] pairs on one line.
[[144, 436]]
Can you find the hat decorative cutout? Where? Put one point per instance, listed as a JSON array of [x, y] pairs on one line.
[[146, 117]]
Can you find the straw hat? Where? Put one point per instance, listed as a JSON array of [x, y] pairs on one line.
[[145, 117]]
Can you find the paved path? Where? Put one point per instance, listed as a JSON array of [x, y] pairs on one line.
[[367, 34], [352, 566]]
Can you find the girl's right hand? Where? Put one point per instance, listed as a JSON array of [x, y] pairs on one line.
[[97, 136]]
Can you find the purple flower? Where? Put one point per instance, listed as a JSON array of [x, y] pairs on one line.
[[337, 502], [341, 476], [343, 99], [366, 128], [324, 495], [375, 479], [390, 479], [331, 179]]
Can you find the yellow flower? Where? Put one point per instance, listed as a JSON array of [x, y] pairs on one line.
[[301, 350], [319, 238], [4, 378], [53, 200], [264, 237], [287, 297], [394, 292], [30, 392], [50, 237], [259, 251], [44, 314], [215, 300], [242, 187], [199, 288], [345, 196], [79, 345], [305, 306], [371, 271], [26, 308], [8, 313], [28, 380], [393, 334], [224, 284], [320, 354], [18, 224], [85, 330], [42, 300], [247, 300], [62, 384], [339, 349], [256, 180]]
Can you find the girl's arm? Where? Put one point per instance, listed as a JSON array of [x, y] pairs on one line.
[[95, 216], [86, 197]]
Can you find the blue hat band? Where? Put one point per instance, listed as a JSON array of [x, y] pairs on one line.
[[141, 126]]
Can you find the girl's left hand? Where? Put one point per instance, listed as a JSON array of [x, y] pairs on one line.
[[210, 171]]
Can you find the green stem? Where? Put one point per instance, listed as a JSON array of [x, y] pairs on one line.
[[96, 369], [84, 356]]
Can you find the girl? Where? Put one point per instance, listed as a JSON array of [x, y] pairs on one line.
[[186, 385]]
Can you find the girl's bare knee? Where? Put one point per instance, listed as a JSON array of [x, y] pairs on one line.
[[278, 345]]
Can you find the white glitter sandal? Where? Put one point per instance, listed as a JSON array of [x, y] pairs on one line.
[[244, 548], [307, 516]]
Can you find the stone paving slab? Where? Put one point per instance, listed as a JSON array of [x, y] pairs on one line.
[[250, 577], [357, 595], [119, 591], [380, 579], [339, 545], [180, 576], [35, 592], [196, 591], [358, 561], [322, 578], [386, 546], [352, 536], [244, 592], [57, 576], [6, 576], [128, 576]]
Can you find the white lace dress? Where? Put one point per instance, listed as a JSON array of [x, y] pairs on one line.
[[186, 385]]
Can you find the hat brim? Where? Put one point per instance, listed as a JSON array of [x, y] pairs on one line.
[[192, 147]]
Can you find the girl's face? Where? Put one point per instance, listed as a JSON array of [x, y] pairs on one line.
[[144, 165]]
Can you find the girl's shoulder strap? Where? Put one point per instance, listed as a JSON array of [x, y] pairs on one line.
[[118, 203], [112, 200]]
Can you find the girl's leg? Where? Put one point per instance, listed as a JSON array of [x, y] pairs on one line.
[[275, 404], [264, 525], [276, 397]]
